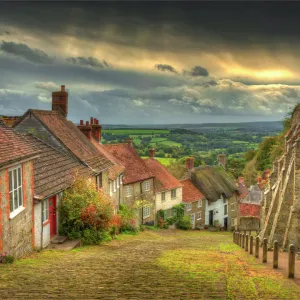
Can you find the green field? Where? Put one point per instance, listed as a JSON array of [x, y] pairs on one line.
[[143, 132], [163, 160]]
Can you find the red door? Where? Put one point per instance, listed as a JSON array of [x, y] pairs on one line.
[[52, 216]]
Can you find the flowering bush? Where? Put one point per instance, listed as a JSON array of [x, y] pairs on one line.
[[128, 219], [6, 259], [115, 224], [85, 212]]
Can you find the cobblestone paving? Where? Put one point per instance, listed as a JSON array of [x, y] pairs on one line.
[[162, 264]]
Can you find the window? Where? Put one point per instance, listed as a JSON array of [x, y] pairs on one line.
[[173, 194], [163, 196], [199, 215], [232, 206], [168, 213], [146, 212], [199, 204], [115, 185], [15, 190], [45, 210], [147, 186], [225, 209], [188, 206], [118, 182], [99, 181], [110, 188], [128, 191], [121, 179]]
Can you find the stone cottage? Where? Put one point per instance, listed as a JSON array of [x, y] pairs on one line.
[[54, 172], [137, 182], [168, 189], [280, 212], [222, 195], [16, 192], [53, 127]]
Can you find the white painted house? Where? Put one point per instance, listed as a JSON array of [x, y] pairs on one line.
[[167, 189]]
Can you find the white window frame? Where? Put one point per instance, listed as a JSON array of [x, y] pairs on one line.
[[199, 204], [128, 191], [169, 213], [15, 193], [193, 219], [45, 211], [163, 199], [173, 191], [110, 188], [118, 182], [198, 214], [121, 179], [115, 185], [232, 206], [147, 186], [146, 211], [189, 206]]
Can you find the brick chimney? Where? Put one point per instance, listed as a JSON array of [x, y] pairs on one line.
[[190, 163], [129, 141], [151, 153], [96, 129], [86, 129], [60, 101], [222, 160]]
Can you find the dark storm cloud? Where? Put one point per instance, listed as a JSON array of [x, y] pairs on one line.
[[165, 67], [196, 71], [89, 61], [23, 51], [231, 23]]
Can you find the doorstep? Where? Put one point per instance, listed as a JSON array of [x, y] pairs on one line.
[[66, 245]]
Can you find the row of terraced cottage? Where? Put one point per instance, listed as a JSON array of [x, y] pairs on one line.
[[41, 152]]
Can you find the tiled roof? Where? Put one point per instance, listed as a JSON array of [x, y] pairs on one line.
[[117, 168], [135, 167], [54, 171], [189, 192], [163, 179], [249, 210], [13, 146], [72, 138]]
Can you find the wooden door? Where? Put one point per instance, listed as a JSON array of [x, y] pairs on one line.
[[211, 217], [52, 216]]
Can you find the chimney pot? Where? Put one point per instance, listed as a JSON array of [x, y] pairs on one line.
[[60, 101], [190, 163], [87, 123], [92, 120], [63, 88], [81, 122], [222, 160]]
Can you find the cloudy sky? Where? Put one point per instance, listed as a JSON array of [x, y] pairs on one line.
[[140, 62]]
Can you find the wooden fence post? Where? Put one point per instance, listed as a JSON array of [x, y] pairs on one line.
[[240, 239], [251, 244], [233, 237], [292, 257], [265, 251], [275, 255], [246, 246], [243, 240], [257, 247]]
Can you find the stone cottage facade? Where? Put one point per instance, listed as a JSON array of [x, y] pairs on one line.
[[168, 190], [137, 182], [280, 212], [16, 193]]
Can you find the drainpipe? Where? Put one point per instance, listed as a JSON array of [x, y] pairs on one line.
[[42, 225]]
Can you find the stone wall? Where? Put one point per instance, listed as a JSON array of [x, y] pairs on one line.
[[17, 232]]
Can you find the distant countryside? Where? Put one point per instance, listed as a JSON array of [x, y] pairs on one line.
[[203, 141]]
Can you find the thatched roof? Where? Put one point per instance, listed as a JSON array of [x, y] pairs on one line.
[[213, 181]]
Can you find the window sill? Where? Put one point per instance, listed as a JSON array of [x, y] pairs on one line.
[[198, 219], [16, 212], [146, 217]]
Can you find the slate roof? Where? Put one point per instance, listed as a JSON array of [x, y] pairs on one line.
[[117, 168], [163, 179], [54, 171], [13, 146], [135, 167], [189, 192], [213, 181], [72, 138]]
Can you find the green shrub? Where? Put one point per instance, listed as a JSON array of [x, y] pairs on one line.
[[184, 223], [85, 213], [6, 259], [172, 220], [128, 219]]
